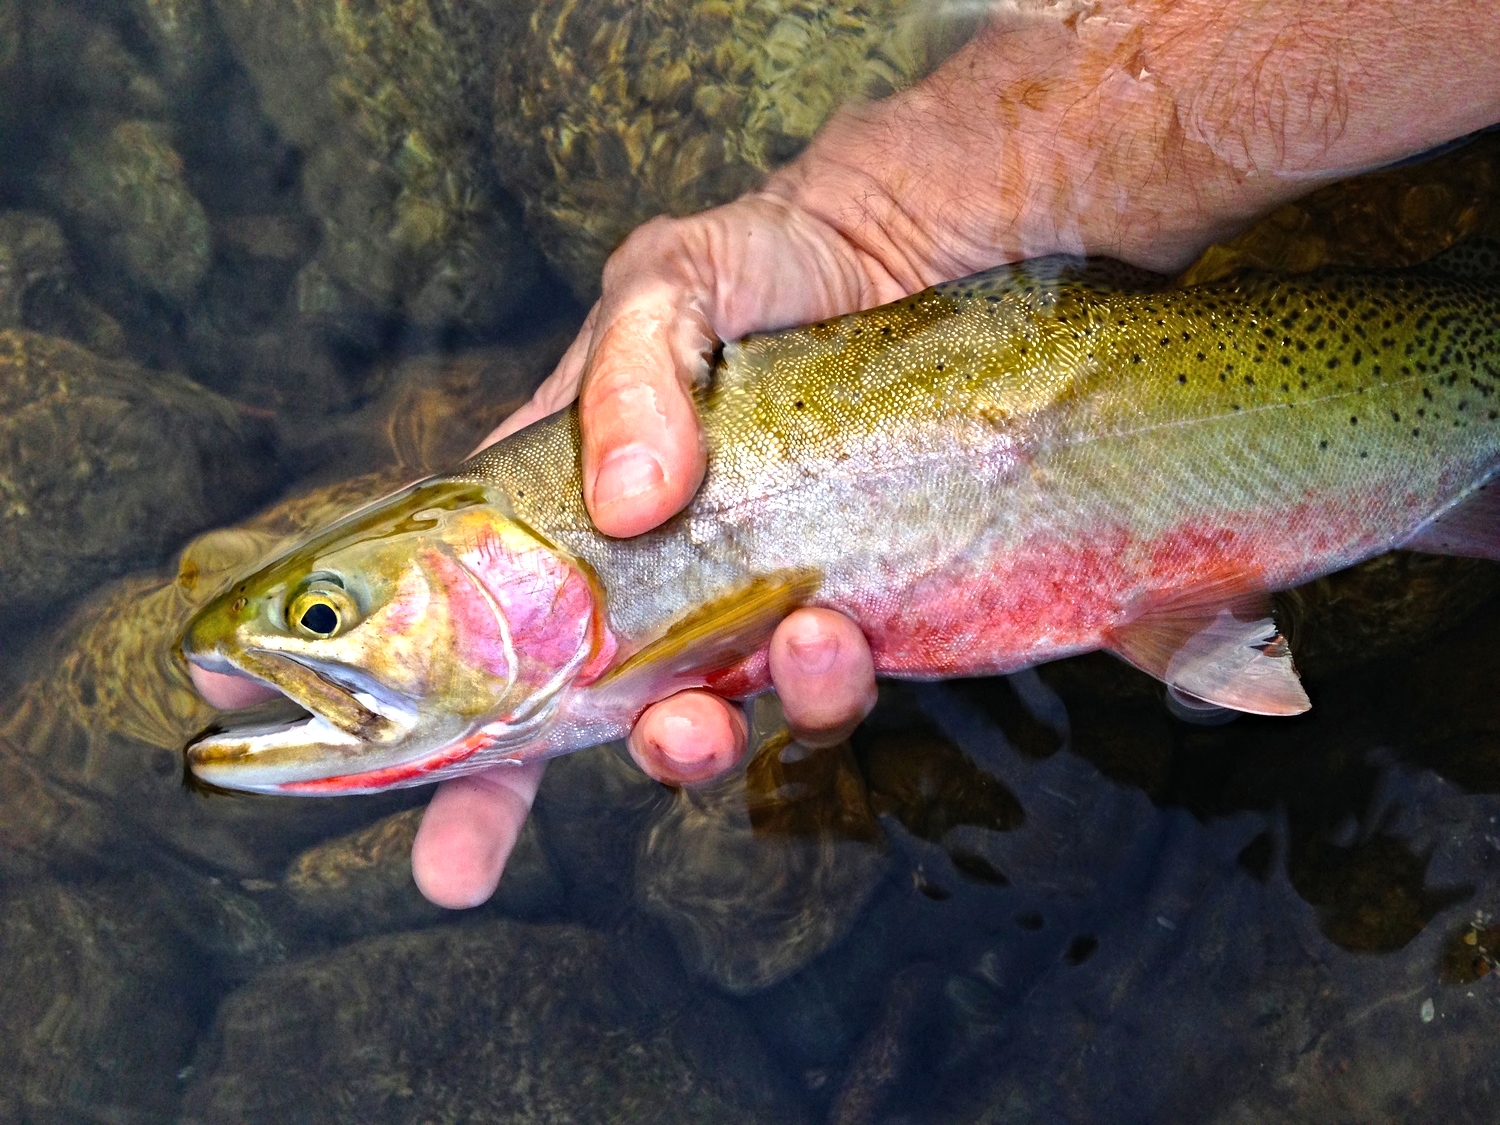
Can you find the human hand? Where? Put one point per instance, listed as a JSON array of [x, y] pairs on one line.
[[1140, 130], [672, 291]]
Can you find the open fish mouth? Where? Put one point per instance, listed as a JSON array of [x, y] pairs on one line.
[[312, 724]]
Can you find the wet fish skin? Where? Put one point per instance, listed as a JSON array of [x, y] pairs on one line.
[[1039, 460]]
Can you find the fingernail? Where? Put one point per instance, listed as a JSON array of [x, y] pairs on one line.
[[682, 741], [628, 472], [814, 656]]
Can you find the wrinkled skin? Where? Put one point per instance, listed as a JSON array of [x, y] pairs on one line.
[[1141, 133]]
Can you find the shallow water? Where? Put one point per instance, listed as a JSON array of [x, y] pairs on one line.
[[261, 260]]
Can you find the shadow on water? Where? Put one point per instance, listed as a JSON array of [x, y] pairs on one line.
[[299, 253]]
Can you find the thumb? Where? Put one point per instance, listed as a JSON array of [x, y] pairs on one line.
[[643, 454]]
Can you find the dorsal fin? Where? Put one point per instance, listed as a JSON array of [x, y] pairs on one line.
[[1218, 644], [710, 638], [1470, 527]]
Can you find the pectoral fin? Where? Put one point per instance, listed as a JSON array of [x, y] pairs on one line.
[[1224, 651], [1470, 528], [712, 637]]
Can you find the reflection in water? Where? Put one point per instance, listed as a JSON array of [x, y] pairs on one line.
[[1033, 898]]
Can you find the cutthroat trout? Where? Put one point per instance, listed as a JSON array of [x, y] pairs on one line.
[[1040, 460]]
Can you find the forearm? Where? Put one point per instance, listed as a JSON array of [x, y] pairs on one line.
[[1143, 129]]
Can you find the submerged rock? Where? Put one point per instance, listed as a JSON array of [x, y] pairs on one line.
[[97, 1016], [39, 289], [1388, 606], [592, 809], [1130, 932], [122, 187], [1387, 219], [428, 413], [389, 104], [184, 41], [610, 112], [360, 883], [500, 1022], [105, 467], [63, 57], [758, 873]]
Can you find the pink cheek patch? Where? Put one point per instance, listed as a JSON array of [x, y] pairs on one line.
[[547, 603], [479, 636], [553, 637]]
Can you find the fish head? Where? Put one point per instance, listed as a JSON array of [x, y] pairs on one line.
[[422, 637]]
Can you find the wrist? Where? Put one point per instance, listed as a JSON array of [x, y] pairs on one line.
[[1140, 129], [1044, 134]]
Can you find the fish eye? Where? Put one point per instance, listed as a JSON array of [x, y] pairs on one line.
[[321, 611]]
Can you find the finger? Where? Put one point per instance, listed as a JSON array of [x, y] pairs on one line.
[[556, 391], [643, 453], [824, 673], [691, 737], [468, 831]]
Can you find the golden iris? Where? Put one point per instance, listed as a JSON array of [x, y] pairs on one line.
[[321, 611]]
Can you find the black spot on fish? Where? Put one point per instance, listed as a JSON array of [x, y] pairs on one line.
[[1182, 379], [798, 404], [1323, 444], [1249, 381], [1354, 419]]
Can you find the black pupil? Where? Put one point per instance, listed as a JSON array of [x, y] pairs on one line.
[[320, 619]]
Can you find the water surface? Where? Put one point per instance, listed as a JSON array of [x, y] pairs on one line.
[[259, 261]]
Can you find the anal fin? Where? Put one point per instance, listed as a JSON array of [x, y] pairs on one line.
[[1218, 646], [1470, 527]]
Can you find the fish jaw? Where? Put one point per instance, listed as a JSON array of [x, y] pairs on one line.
[[318, 721], [265, 748]]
